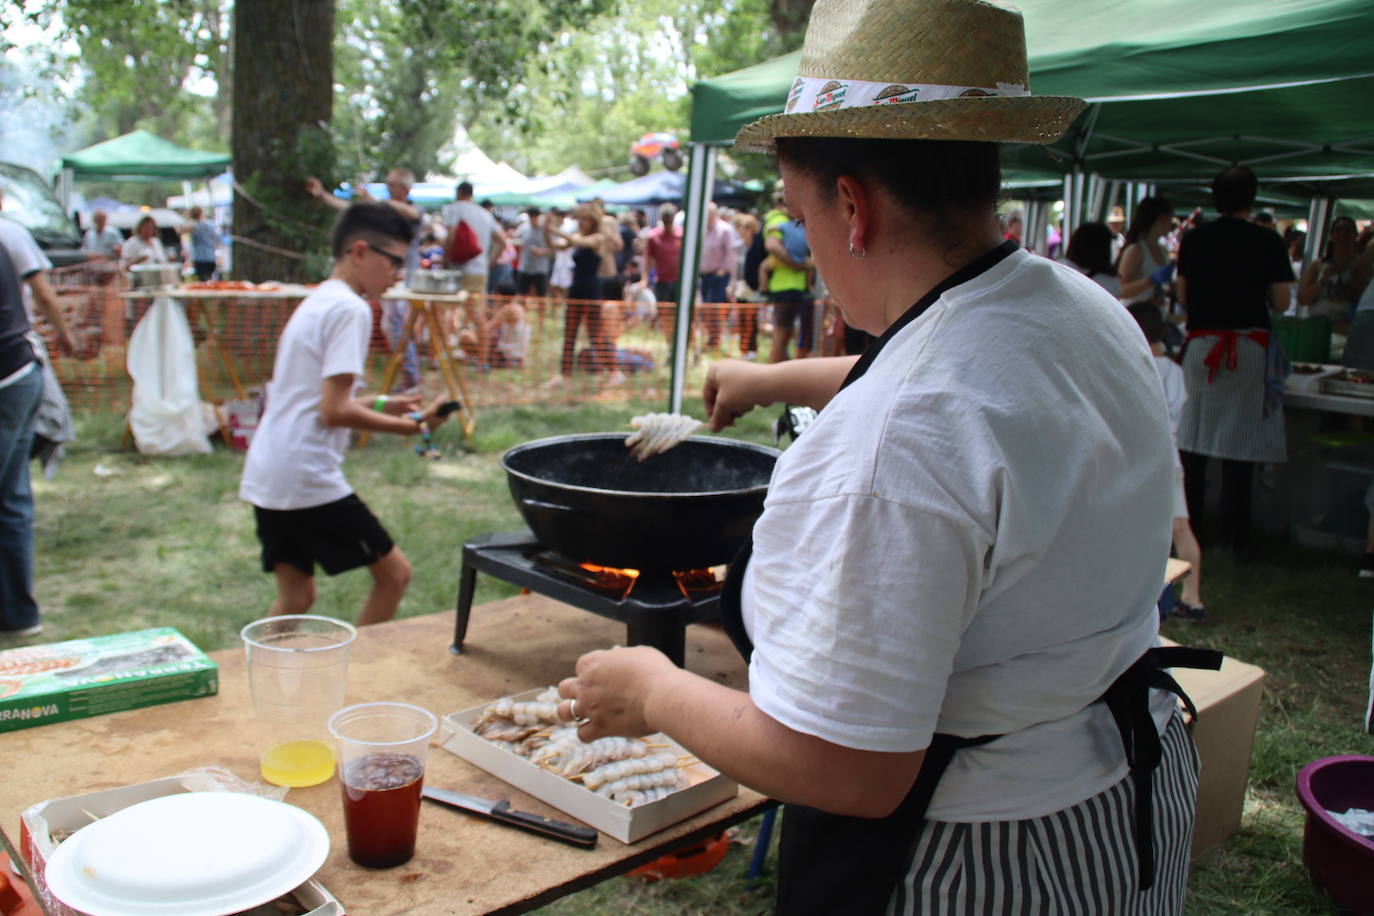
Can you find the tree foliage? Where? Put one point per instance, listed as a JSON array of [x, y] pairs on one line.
[[629, 72], [145, 64], [408, 69]]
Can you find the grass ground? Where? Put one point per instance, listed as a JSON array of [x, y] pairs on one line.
[[126, 542]]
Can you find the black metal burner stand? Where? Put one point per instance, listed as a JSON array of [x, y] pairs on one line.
[[655, 613]]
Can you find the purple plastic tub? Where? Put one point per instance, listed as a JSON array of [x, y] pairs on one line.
[[1339, 860]]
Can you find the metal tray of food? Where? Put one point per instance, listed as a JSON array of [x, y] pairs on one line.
[[1351, 383]]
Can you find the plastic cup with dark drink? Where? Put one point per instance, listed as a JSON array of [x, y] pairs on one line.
[[381, 750]]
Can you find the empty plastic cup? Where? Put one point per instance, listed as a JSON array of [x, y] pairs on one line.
[[298, 674]]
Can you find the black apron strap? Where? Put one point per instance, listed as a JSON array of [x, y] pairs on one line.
[[871, 853], [1128, 699], [731, 610]]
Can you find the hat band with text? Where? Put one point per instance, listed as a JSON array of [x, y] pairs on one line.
[[812, 93]]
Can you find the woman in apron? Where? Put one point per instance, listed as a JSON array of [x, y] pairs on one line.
[[1233, 274], [948, 605]]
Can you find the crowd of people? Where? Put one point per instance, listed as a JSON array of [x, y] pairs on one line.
[[611, 273], [109, 253], [1216, 284]]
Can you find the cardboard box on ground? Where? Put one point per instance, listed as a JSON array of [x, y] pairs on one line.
[[1228, 703]]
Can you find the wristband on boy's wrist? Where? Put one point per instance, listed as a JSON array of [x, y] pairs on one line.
[[379, 405]]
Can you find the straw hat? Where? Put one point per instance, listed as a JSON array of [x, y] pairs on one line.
[[899, 69]]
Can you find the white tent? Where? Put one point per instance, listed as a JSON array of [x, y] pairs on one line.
[[219, 192], [487, 177]]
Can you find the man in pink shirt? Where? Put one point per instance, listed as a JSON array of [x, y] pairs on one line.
[[662, 262], [718, 255]]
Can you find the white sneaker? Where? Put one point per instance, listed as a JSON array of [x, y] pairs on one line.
[[24, 631]]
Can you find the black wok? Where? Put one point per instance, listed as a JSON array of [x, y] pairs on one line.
[[588, 498]]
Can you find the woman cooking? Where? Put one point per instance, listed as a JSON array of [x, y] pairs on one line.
[[961, 555]]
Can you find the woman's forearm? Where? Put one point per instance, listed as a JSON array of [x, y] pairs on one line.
[[812, 382], [1132, 287], [727, 731]]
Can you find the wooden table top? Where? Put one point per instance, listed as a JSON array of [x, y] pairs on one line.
[[463, 864]]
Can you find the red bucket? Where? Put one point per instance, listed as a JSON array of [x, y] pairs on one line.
[[1339, 860]]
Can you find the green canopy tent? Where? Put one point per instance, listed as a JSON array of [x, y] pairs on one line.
[[1177, 90], [139, 156]]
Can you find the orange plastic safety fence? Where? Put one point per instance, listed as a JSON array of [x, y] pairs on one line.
[[511, 349]]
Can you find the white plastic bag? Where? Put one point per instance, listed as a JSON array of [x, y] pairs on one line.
[[166, 414]]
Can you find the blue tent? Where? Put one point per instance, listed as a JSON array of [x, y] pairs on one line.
[[666, 188]]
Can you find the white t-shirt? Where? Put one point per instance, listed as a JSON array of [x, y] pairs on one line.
[[1175, 393], [483, 226], [295, 461], [135, 248], [28, 258], [969, 539]]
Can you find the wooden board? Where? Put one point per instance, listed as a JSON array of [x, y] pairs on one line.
[[463, 864], [1175, 569]]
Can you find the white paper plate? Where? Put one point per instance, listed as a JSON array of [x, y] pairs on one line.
[[193, 854]]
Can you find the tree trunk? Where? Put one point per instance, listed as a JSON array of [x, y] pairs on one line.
[[283, 98]]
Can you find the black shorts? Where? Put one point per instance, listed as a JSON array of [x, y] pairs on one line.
[[792, 305], [339, 536], [532, 283]]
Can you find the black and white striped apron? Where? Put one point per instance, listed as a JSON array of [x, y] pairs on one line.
[[1224, 417], [1123, 851]]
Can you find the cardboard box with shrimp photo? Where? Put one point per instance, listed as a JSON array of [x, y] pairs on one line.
[[43, 826], [90, 677], [705, 786]]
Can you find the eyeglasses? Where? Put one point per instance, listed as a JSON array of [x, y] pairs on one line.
[[397, 261]]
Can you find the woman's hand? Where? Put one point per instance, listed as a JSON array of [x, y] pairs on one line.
[[612, 689], [731, 391]]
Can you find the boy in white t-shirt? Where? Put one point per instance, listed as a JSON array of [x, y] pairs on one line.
[[306, 511], [1189, 605]]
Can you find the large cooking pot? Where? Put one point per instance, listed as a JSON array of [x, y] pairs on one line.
[[434, 281], [588, 498], [153, 276]]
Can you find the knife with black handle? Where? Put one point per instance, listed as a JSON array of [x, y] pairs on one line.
[[501, 811]]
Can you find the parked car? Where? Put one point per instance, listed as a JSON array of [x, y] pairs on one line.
[[30, 202]]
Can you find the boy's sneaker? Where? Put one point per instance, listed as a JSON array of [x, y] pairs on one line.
[[1367, 566], [24, 631], [1193, 613]]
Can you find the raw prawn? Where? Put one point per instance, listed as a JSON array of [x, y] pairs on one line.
[[619, 769], [636, 798], [641, 781], [658, 432]]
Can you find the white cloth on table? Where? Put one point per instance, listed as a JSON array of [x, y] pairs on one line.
[[166, 416], [295, 461], [970, 539]]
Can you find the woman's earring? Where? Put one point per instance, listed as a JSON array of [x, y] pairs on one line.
[[856, 255]]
